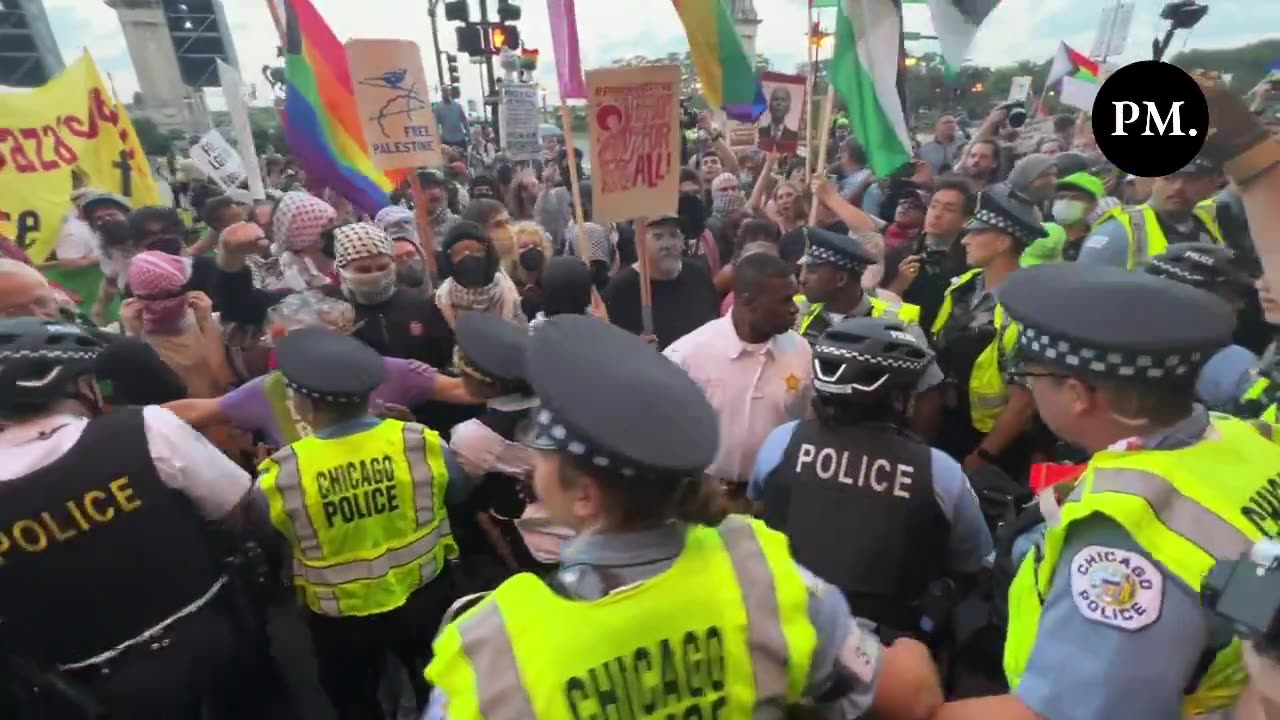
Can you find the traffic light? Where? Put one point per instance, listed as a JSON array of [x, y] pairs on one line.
[[457, 11], [503, 36], [508, 12], [471, 40], [451, 61]]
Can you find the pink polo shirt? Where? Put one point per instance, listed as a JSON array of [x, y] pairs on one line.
[[753, 388]]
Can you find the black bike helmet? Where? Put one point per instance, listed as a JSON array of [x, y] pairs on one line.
[[1203, 265], [862, 360], [39, 361]]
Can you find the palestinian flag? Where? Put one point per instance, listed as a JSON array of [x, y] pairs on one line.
[[864, 71], [955, 22], [1070, 63]]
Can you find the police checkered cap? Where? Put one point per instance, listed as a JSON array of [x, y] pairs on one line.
[[1060, 351], [819, 255], [550, 433], [359, 240]]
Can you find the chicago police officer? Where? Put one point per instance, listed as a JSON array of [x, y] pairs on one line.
[[650, 616], [1104, 615], [361, 504], [866, 505], [113, 529]]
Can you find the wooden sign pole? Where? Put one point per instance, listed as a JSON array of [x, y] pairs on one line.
[[425, 231], [646, 287], [828, 103]]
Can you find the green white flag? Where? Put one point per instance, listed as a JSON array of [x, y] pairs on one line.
[[824, 3], [864, 71]]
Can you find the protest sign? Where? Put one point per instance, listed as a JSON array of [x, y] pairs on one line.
[[391, 92], [70, 125], [633, 123], [1019, 88], [779, 126], [233, 91], [518, 117], [215, 156]]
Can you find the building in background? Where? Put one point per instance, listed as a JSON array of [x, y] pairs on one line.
[[747, 22], [29, 54], [174, 45]]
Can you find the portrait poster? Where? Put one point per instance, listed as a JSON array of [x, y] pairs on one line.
[[634, 127], [781, 126], [393, 100]]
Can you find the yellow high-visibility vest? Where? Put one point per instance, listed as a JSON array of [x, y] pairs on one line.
[[906, 313], [364, 515], [724, 630], [1187, 508], [988, 391], [1147, 238]]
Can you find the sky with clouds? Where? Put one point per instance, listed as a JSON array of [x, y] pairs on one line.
[[613, 29]]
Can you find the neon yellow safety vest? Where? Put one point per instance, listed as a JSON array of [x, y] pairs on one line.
[[1254, 393], [290, 426], [723, 631], [1147, 238], [988, 392], [1187, 508], [364, 515], [906, 313]]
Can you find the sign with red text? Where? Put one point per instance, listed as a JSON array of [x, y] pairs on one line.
[[634, 125], [69, 127]]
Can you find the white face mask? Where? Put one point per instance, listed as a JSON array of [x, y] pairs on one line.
[[1066, 212]]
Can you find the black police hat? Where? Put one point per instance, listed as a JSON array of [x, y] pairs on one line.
[[613, 403], [1115, 323], [1006, 210], [832, 248], [327, 366], [1202, 265], [492, 349]]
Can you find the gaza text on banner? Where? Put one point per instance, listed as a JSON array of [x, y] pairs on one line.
[[69, 125], [395, 110], [635, 141]]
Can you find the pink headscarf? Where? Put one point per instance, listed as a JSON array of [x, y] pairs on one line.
[[298, 220], [157, 279]]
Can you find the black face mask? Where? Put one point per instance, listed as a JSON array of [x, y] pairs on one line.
[[169, 244], [693, 216], [472, 272], [531, 260]]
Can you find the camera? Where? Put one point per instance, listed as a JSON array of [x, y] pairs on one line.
[[1183, 14], [1017, 112], [688, 116], [1246, 593]]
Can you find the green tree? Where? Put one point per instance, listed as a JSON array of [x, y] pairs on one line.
[[1247, 64], [152, 140]]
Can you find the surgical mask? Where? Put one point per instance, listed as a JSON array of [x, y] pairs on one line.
[[368, 288], [472, 272], [531, 260], [1066, 212], [411, 273]]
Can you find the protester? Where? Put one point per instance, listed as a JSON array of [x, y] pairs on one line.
[[944, 152], [554, 207], [452, 119], [533, 250], [1033, 177], [699, 243], [492, 215], [296, 225], [218, 213], [566, 289], [684, 298], [436, 191], [522, 195], [941, 258], [475, 279], [77, 244], [100, 207], [982, 163], [726, 199], [1077, 197]]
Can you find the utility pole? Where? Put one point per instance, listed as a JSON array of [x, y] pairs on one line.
[[488, 63], [432, 6]]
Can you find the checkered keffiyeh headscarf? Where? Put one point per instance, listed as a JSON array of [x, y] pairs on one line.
[[157, 279], [298, 220], [358, 240], [398, 223]]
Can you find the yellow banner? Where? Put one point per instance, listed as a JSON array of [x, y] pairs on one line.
[[71, 124]]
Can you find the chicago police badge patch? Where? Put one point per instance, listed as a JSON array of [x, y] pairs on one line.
[[1116, 587]]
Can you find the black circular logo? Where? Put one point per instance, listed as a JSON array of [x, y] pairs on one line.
[[1150, 119]]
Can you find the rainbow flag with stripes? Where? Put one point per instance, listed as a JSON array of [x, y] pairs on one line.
[[728, 76], [322, 123]]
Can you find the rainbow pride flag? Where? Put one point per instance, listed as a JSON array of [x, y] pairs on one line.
[[322, 123], [728, 76]]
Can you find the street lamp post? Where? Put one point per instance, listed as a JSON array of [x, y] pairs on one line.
[[488, 64], [432, 6]]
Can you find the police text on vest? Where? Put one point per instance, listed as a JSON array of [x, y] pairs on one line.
[[74, 517], [877, 473], [354, 491]]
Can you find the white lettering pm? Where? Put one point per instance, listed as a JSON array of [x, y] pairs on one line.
[[1128, 112]]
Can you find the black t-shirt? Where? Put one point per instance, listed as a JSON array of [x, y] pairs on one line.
[[680, 306]]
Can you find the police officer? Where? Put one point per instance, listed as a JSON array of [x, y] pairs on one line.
[[831, 290], [1181, 209], [984, 418], [1230, 379], [865, 504], [651, 616], [1104, 617], [362, 506], [113, 529]]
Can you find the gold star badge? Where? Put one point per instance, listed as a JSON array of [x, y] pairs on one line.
[[793, 382]]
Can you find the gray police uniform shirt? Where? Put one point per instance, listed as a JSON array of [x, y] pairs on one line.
[[970, 539], [1108, 244], [594, 565], [1226, 377], [1088, 663], [932, 374]]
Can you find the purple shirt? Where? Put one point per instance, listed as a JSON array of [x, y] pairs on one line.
[[248, 407]]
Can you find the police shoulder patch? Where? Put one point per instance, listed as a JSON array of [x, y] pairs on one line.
[[1114, 587]]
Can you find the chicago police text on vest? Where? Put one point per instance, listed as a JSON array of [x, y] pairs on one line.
[[357, 490], [880, 474], [1263, 509], [62, 523], [673, 679]]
